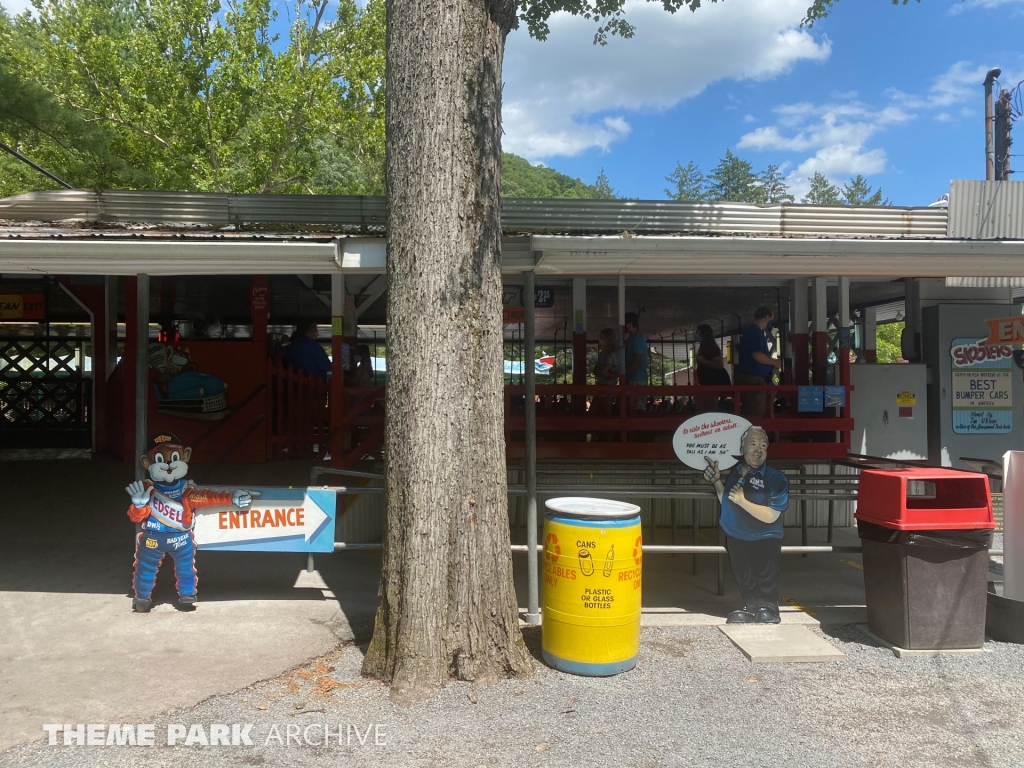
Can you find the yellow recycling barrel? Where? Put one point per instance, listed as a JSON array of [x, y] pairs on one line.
[[591, 586]]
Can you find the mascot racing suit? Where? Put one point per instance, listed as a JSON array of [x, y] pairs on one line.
[[167, 528]]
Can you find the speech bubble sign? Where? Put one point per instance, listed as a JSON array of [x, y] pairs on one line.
[[709, 434]]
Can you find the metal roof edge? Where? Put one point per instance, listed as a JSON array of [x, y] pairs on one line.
[[368, 215]]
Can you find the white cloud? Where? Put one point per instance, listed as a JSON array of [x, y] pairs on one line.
[[836, 134], [566, 95], [956, 85], [968, 5]]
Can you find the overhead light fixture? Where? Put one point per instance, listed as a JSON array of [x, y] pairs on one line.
[[899, 317]]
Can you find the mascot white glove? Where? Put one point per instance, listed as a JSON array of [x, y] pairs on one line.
[[241, 499], [139, 493]]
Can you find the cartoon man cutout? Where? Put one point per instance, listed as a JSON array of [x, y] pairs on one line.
[[753, 498], [165, 505]]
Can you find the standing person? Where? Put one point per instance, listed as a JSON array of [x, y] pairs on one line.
[[757, 366], [710, 364], [753, 498], [606, 370], [304, 353], [636, 356]]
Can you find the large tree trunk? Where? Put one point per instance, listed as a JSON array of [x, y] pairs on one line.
[[447, 607]]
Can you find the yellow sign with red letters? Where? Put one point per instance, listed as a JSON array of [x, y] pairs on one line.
[[22, 306]]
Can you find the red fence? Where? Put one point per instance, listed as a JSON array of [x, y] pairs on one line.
[[593, 422], [297, 413], [637, 422], [360, 429]]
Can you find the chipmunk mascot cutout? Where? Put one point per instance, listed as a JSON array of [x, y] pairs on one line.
[[165, 505]]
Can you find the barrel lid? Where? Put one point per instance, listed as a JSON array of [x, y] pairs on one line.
[[581, 506]]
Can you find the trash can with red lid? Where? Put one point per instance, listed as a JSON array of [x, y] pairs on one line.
[[925, 534]]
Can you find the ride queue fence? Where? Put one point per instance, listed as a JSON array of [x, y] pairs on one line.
[[637, 422], [297, 411]]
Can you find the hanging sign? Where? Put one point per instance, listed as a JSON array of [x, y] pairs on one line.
[[22, 306], [513, 315], [709, 434], [279, 520], [982, 387], [544, 297]]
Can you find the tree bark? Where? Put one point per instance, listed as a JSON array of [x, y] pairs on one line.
[[447, 606]]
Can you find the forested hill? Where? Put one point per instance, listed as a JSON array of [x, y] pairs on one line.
[[521, 179]]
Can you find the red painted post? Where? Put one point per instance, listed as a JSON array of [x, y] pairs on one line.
[[259, 307]]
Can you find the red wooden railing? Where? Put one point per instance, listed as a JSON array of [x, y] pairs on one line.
[[297, 413], [360, 429], [598, 422], [573, 421]]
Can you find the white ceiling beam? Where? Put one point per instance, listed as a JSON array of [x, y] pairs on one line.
[[374, 290]]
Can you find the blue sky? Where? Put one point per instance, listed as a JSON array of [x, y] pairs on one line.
[[893, 92]]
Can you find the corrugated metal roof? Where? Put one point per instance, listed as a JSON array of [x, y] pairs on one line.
[[361, 214], [368, 214], [101, 256], [985, 210], [819, 257]]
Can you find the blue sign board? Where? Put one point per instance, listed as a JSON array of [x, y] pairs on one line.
[[809, 399], [835, 397]]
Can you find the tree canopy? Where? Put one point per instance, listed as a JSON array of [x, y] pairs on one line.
[[520, 178], [822, 191], [856, 192], [185, 94], [732, 180]]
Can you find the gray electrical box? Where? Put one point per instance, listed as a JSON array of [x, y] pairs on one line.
[[976, 392], [889, 405]]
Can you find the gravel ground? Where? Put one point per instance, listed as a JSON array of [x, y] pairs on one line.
[[692, 700]]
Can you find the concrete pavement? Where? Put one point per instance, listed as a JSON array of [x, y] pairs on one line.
[[71, 650]]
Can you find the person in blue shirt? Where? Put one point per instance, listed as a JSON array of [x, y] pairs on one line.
[[753, 498], [757, 366], [304, 353], [636, 356]]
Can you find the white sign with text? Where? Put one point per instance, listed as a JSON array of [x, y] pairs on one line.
[[709, 434]]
